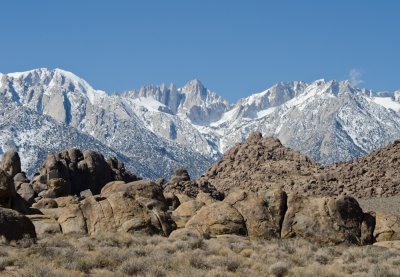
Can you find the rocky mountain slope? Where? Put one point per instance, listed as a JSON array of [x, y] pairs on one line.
[[264, 163], [191, 126]]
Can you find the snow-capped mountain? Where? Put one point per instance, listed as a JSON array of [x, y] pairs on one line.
[[156, 129], [109, 120]]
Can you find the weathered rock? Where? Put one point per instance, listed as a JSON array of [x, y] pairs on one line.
[[99, 172], [45, 203], [180, 184], [218, 219], [112, 187], [263, 212], [44, 225], [171, 200], [20, 178], [86, 193], [264, 163], [185, 211], [182, 198], [180, 175], [122, 211], [324, 220], [7, 190], [72, 220], [119, 170], [81, 171], [11, 163], [187, 234], [15, 226], [66, 201], [27, 193], [387, 227], [367, 229], [56, 187], [205, 198]]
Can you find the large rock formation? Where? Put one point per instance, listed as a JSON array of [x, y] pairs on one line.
[[219, 218], [327, 220], [15, 226], [180, 183], [260, 164], [11, 163], [7, 190], [71, 171], [135, 207], [263, 163], [387, 227], [263, 212]]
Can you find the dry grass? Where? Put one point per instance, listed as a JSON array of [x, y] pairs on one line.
[[126, 255]]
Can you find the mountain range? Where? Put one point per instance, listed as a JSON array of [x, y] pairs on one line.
[[157, 129]]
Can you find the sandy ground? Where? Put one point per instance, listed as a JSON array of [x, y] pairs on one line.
[[386, 204]]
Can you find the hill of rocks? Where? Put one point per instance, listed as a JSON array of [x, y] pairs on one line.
[[262, 163], [259, 190]]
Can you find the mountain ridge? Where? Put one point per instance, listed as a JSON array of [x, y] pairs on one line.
[[192, 126]]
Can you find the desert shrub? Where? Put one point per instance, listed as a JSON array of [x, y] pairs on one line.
[[279, 269], [194, 243], [228, 263], [197, 261], [6, 261], [26, 241], [133, 267], [382, 271], [138, 251], [39, 270], [3, 253]]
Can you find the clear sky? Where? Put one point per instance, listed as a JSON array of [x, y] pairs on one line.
[[234, 47]]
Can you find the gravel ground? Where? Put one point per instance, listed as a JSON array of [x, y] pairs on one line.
[[386, 204]]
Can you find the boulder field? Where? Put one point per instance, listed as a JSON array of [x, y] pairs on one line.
[[259, 189]]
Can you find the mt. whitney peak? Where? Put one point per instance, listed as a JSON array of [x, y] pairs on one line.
[[157, 129]]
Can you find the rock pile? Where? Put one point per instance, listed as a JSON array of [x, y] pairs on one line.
[[272, 214], [71, 171], [263, 163], [135, 207], [259, 189], [180, 183]]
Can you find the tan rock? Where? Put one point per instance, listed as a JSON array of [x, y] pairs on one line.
[[387, 227], [217, 219], [44, 225], [263, 212], [121, 211], [185, 211], [112, 187], [26, 192], [66, 200], [71, 220], [323, 219], [45, 203], [205, 198], [182, 197], [186, 234]]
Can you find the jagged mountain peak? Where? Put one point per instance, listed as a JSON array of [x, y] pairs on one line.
[[193, 86]]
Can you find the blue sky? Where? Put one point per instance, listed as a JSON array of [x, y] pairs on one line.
[[234, 47]]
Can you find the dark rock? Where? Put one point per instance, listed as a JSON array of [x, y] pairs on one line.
[[11, 163]]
